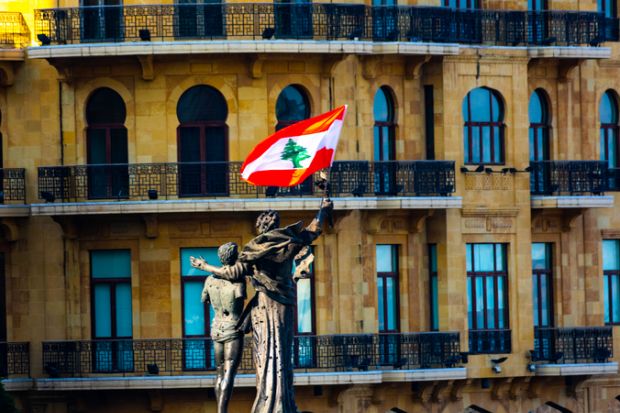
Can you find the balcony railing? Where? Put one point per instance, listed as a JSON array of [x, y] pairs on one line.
[[319, 353], [614, 179], [572, 344], [14, 359], [14, 31], [223, 179], [568, 177], [12, 186], [318, 21], [496, 341]]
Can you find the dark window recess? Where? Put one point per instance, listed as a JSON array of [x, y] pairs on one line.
[[484, 127], [429, 121], [202, 138]]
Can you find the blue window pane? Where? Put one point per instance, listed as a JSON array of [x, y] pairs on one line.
[[608, 108], [535, 291], [490, 303], [468, 155], [380, 303], [103, 314], [535, 108], [532, 146], [479, 302], [606, 295], [484, 257], [468, 253], [540, 256], [497, 142], [377, 143], [123, 310], [475, 145], [500, 251], [386, 258], [486, 145], [544, 291], [386, 149], [304, 306], [479, 105], [615, 298], [110, 263], [382, 106], [470, 319], [292, 105], [434, 304], [612, 150], [611, 257], [391, 304], [209, 254], [433, 257], [501, 322], [194, 309], [497, 114]]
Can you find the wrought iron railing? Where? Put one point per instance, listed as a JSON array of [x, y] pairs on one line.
[[568, 177], [223, 179], [613, 175], [572, 344], [14, 359], [12, 186], [318, 353], [490, 341], [14, 32], [322, 21]]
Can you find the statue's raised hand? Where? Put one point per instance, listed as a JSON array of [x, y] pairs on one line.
[[197, 262]]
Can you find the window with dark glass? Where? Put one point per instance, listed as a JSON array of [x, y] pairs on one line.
[[484, 127], [197, 316], [293, 19], [538, 22], [384, 141], [292, 106], [110, 272], [106, 145], [542, 284], [611, 280], [385, 20], [462, 4], [388, 302], [487, 298], [305, 321], [608, 8], [199, 19], [434, 287], [101, 20], [609, 145], [202, 138], [539, 141]]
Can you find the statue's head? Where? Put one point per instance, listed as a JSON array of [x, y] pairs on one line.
[[267, 221], [228, 253]]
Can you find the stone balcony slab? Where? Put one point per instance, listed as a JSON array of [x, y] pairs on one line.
[[12, 211], [580, 201], [576, 369], [240, 204]]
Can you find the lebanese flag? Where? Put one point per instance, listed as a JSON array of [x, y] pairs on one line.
[[292, 154]]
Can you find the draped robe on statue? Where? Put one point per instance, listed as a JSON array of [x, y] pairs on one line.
[[272, 315]]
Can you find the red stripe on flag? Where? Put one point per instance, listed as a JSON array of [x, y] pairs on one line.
[[316, 124], [289, 177]]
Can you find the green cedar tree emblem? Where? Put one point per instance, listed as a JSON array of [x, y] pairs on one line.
[[295, 153]]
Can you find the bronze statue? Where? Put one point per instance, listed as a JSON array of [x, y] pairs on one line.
[[269, 258], [227, 299]]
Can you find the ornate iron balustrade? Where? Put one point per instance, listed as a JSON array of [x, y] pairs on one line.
[[14, 359], [14, 32], [318, 21], [12, 186], [572, 344], [317, 353], [223, 179], [496, 341], [568, 177]]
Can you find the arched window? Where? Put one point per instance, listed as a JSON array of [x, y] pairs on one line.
[[539, 126], [292, 106], [608, 115], [539, 142], [384, 141], [106, 145], [484, 127], [202, 138]]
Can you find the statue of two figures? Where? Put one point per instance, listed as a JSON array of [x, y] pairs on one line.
[[268, 261]]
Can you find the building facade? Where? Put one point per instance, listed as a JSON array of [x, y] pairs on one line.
[[474, 260]]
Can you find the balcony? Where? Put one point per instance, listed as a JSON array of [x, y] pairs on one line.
[[14, 32], [14, 359], [490, 341], [389, 356], [569, 184], [350, 23], [178, 187], [573, 350], [13, 193]]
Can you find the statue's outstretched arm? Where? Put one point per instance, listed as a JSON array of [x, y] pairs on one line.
[[201, 264], [232, 273], [327, 206]]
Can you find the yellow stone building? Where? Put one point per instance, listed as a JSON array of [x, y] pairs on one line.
[[474, 260]]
